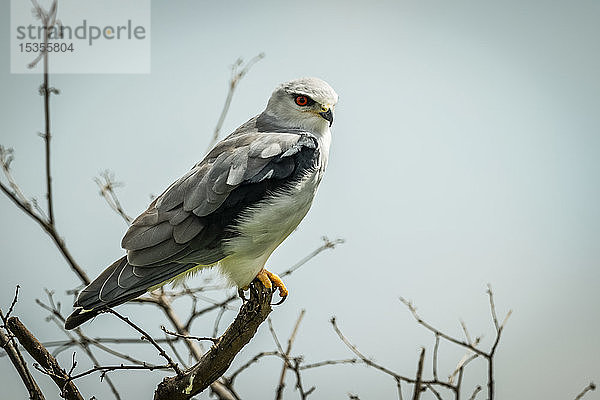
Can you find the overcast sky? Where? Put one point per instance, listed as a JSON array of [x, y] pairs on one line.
[[465, 152]]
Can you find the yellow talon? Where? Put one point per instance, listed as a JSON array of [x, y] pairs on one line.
[[270, 280], [263, 277]]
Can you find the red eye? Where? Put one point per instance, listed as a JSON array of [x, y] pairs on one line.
[[301, 100]]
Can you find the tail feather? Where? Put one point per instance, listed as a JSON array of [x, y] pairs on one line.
[[81, 315], [118, 284]]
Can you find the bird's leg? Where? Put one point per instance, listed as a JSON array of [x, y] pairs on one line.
[[271, 280]]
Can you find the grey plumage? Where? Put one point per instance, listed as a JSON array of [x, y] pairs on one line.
[[199, 219]]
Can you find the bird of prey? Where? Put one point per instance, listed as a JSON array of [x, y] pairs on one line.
[[232, 209]]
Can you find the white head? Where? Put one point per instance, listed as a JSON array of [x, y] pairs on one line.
[[306, 103]]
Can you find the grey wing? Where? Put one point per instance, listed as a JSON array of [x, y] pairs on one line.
[[186, 225], [179, 226]]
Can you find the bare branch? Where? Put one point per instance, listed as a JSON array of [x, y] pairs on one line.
[[331, 362], [161, 301], [107, 184], [490, 355], [82, 341], [93, 358], [48, 19], [435, 356], [435, 392], [238, 71], [303, 393], [15, 356], [51, 231], [475, 392], [171, 343], [12, 305], [588, 388], [218, 320], [436, 331], [467, 358], [274, 335], [216, 361], [399, 388], [418, 389], [459, 381], [327, 244], [286, 361], [253, 360], [466, 331], [149, 338], [355, 350], [44, 358], [6, 158], [198, 338], [492, 307], [381, 368], [106, 368]]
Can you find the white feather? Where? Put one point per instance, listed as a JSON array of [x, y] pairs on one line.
[[266, 225]]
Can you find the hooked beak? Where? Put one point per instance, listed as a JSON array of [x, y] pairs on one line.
[[327, 114]]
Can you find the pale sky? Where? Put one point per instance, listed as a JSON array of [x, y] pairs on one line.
[[465, 152]]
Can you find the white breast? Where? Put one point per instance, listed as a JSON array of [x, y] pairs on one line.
[[265, 226], [262, 228]]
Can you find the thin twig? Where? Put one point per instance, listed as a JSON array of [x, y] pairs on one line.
[[171, 343], [459, 382], [198, 338], [274, 335], [48, 19], [51, 231], [466, 359], [218, 320], [490, 355], [303, 393], [381, 368], [6, 157], [145, 335], [331, 362], [327, 244], [107, 184], [435, 392], [107, 368], [492, 307], [419, 378], [399, 389], [286, 361], [253, 360], [436, 331], [588, 388], [236, 76], [83, 342], [475, 392], [12, 305], [435, 356], [466, 331]]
